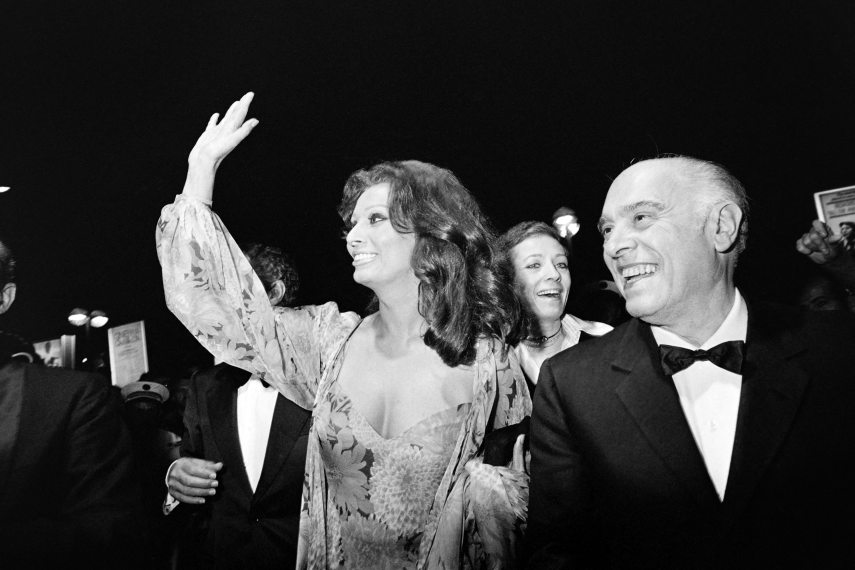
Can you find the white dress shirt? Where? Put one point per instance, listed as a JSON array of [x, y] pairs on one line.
[[709, 395], [255, 405]]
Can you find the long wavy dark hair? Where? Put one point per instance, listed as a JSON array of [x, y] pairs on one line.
[[462, 294], [510, 239]]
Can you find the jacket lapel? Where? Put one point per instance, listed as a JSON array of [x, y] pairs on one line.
[[651, 399], [288, 423], [222, 406], [772, 390]]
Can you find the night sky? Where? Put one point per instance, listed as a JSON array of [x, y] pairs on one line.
[[532, 104]]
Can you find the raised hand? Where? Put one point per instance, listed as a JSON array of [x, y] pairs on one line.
[[190, 480], [819, 244], [220, 137]]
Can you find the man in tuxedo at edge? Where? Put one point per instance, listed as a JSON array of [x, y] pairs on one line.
[[649, 456], [68, 493], [243, 454]]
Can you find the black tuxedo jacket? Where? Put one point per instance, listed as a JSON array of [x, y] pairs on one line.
[[618, 481], [236, 528], [68, 492]]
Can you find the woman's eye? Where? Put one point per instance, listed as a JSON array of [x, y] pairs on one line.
[[375, 218], [533, 266], [561, 265]]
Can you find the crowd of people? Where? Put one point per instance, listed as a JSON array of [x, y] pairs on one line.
[[466, 420]]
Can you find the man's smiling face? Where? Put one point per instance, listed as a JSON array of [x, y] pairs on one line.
[[657, 244]]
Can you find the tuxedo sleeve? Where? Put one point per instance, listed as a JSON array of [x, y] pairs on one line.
[[191, 442], [100, 505], [560, 527]]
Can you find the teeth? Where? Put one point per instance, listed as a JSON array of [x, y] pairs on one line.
[[358, 256], [636, 270], [549, 293]]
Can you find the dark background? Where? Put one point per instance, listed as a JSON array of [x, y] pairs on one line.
[[532, 104]]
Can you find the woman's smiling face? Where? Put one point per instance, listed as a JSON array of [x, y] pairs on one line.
[[542, 277], [381, 254]]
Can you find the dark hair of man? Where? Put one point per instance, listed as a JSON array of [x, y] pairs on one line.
[[512, 238], [461, 294], [7, 265], [272, 264]]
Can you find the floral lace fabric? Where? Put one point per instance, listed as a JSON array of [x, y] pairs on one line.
[[380, 489], [474, 514]]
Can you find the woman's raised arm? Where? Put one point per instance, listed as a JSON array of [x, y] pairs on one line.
[[215, 143], [212, 289]]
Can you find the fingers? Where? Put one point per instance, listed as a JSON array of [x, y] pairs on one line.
[[236, 114], [212, 122], [191, 480], [197, 467], [244, 130], [518, 463], [820, 228]]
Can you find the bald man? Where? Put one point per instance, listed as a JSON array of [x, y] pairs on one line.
[[707, 431]]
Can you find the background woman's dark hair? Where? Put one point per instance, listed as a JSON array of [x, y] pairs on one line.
[[461, 293], [512, 238]]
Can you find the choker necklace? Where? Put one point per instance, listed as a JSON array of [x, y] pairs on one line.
[[543, 340]]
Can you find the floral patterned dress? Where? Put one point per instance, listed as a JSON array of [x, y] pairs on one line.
[[422, 499]]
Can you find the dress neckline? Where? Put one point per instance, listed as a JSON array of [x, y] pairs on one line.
[[355, 411]]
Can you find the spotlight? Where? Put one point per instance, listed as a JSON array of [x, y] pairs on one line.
[[565, 221]]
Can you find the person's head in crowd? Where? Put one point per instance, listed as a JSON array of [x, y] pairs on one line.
[[847, 230], [437, 246], [673, 229], [7, 278], [276, 270], [599, 301], [821, 293], [534, 254]]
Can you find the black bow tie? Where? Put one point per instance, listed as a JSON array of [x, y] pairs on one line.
[[727, 355], [242, 379]]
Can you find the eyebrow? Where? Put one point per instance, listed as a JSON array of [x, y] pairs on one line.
[[368, 208], [634, 207]]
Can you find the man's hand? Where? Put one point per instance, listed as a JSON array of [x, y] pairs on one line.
[[819, 244], [190, 480]]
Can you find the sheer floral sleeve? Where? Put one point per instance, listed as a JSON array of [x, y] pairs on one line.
[[484, 513], [212, 289]]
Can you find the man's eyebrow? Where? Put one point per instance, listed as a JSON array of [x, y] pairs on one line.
[[634, 207], [641, 205]]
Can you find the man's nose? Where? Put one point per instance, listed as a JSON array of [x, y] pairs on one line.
[[617, 242]]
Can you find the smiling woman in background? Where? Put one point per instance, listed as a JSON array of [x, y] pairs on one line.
[[535, 255], [402, 399]]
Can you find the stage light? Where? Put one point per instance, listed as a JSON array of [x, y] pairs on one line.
[[98, 319], [565, 221], [78, 317]]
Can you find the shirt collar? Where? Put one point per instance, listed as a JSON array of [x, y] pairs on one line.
[[734, 327]]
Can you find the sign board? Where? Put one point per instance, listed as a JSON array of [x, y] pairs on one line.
[[128, 354]]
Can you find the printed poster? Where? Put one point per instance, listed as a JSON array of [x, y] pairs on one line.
[[128, 354]]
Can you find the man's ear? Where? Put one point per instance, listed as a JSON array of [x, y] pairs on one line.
[[728, 220], [276, 292], [7, 297]]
